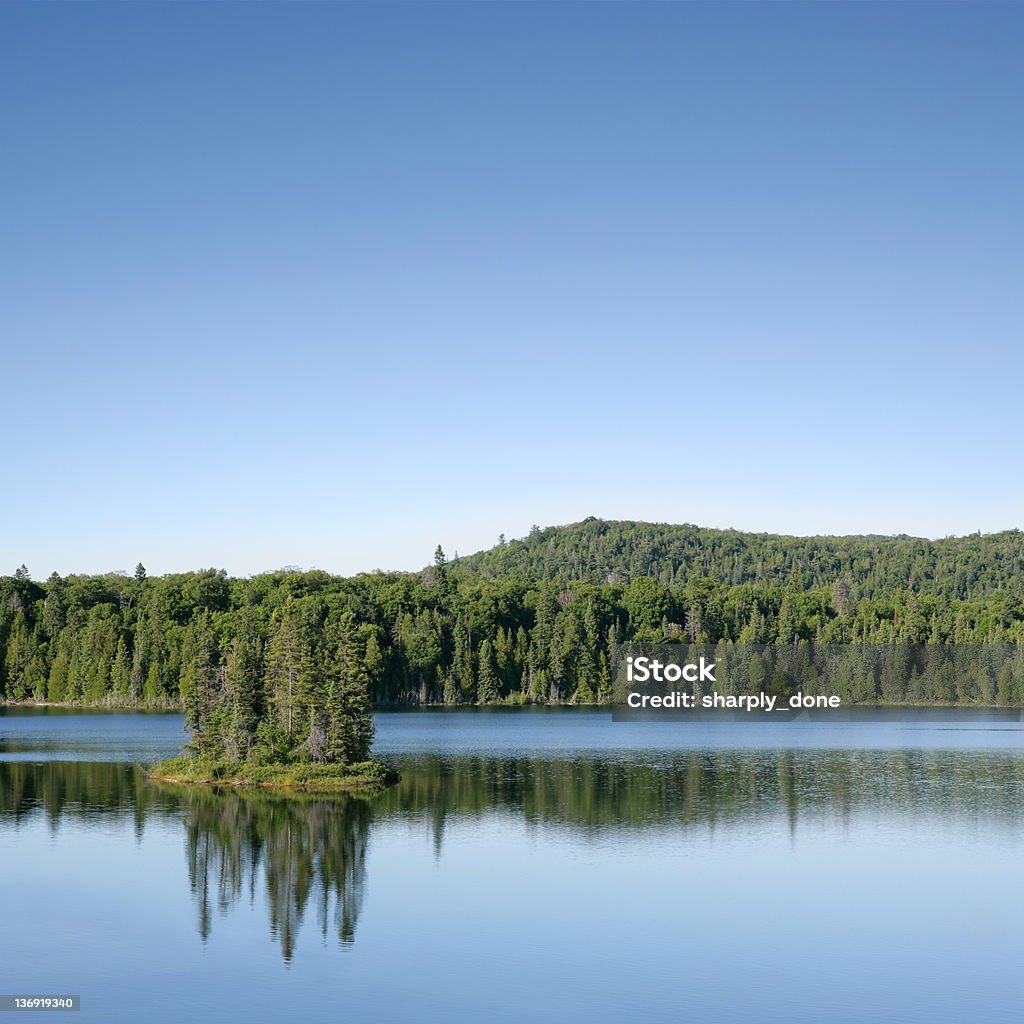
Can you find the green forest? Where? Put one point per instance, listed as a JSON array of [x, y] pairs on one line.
[[527, 621]]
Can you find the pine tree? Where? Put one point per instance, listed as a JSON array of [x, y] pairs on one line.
[[149, 663], [56, 687], [462, 665], [36, 672], [503, 659], [311, 698], [521, 658], [374, 662], [19, 652], [286, 653], [199, 688], [444, 587], [121, 675], [487, 688], [54, 608], [349, 721], [243, 687], [153, 689], [788, 625]]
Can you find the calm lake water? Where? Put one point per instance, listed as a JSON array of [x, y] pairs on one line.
[[541, 866]]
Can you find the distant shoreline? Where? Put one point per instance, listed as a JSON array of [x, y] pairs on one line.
[[516, 706]]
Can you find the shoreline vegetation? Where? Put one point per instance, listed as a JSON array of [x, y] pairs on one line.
[[527, 622], [510, 706], [363, 775]]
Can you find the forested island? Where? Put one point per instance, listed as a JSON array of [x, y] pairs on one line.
[[270, 714], [275, 663]]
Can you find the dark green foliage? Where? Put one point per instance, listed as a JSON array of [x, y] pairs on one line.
[[287, 662], [347, 721], [243, 687], [201, 687], [488, 688], [601, 551], [272, 666]]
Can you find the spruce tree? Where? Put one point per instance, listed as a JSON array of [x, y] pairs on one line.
[[19, 652], [243, 687], [285, 664], [199, 679], [121, 674], [487, 688], [349, 721], [54, 609]]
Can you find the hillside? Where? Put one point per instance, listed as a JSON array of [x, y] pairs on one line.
[[614, 551], [533, 620]]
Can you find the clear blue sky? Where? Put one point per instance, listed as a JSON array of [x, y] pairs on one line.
[[327, 285]]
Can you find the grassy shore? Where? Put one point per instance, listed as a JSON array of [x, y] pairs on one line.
[[365, 774]]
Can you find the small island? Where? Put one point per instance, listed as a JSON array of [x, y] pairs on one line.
[[297, 775], [276, 714]]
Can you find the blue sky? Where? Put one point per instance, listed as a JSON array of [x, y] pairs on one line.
[[329, 284]]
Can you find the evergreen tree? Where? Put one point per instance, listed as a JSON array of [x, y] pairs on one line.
[[243, 687], [488, 690], [349, 721], [121, 675], [444, 588], [199, 686], [54, 609], [57, 683], [19, 653], [286, 661]]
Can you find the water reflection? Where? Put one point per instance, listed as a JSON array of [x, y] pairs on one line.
[[305, 855], [706, 789], [85, 792], [303, 851]]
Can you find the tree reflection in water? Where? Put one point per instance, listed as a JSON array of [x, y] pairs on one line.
[[309, 850], [303, 850]]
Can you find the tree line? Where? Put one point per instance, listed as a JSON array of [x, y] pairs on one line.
[[603, 551], [291, 659]]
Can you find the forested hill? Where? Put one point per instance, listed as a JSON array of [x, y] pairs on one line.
[[532, 620], [610, 551]]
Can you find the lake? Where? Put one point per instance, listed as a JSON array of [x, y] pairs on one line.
[[545, 865]]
